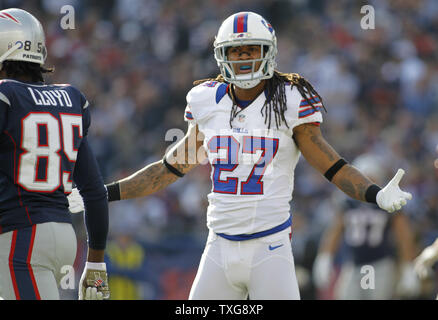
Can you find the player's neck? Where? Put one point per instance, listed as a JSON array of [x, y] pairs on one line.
[[249, 94], [23, 79], [3, 75]]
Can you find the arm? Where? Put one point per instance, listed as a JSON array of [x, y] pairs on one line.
[[320, 155], [408, 283], [404, 238], [332, 237], [182, 158], [329, 244], [156, 176], [90, 184], [347, 178]]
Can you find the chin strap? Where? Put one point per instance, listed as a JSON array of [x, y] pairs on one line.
[[8, 53]]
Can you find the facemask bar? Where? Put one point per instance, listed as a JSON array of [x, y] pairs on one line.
[[8, 53], [226, 66]]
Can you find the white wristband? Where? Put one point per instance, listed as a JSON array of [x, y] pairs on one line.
[[100, 266]]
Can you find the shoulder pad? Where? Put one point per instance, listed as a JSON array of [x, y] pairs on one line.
[[203, 98], [206, 91], [3, 92]]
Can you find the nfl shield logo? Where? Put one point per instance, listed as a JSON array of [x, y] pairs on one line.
[[241, 118]]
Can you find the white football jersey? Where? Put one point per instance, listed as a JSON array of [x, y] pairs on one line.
[[252, 171]]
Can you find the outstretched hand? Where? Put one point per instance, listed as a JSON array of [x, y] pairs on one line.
[[391, 198]]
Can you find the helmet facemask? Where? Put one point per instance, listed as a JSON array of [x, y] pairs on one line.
[[248, 80]]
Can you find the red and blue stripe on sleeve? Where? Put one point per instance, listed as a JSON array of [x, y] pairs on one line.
[[188, 116], [306, 109]]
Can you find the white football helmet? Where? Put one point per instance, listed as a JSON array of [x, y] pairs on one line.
[[21, 37], [246, 28], [372, 166]]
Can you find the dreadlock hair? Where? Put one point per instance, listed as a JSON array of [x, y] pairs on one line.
[[275, 105], [33, 70]]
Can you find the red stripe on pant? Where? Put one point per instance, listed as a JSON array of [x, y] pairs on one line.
[[11, 268], [29, 256], [19, 264]]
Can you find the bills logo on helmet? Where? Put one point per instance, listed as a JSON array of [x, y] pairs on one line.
[[7, 16], [268, 26]]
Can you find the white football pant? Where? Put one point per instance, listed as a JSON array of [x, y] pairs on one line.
[[31, 260], [258, 269]]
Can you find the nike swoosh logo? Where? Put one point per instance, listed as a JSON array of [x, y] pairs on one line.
[[274, 247]]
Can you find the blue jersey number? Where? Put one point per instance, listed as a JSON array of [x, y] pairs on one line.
[[253, 184]]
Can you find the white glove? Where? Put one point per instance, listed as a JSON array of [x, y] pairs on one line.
[[322, 270], [75, 202], [409, 284], [94, 282], [425, 261], [391, 198]]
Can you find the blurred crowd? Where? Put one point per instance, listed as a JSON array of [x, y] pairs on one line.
[[135, 60]]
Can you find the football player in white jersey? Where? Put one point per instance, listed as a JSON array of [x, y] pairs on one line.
[[251, 123]]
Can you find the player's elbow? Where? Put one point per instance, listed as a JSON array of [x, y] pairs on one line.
[[94, 192]]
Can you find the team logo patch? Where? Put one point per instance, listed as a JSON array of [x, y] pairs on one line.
[[7, 16], [98, 282], [268, 26], [275, 247]]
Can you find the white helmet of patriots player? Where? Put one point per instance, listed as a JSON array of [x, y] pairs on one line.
[[371, 165], [21, 37], [246, 28]]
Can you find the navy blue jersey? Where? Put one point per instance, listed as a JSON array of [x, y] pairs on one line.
[[41, 130], [367, 232]]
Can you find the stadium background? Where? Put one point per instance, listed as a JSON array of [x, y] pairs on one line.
[[136, 60]]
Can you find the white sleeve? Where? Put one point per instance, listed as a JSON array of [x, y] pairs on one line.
[[200, 102], [188, 115], [307, 112], [301, 111]]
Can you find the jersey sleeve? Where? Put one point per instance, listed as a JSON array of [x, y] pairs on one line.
[[89, 181], [200, 101], [188, 115], [86, 118], [301, 110], [84, 105], [308, 112], [3, 113], [4, 105]]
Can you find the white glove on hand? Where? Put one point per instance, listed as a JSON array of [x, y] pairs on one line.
[[408, 285], [322, 270], [94, 282], [391, 198], [75, 202], [425, 261]]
